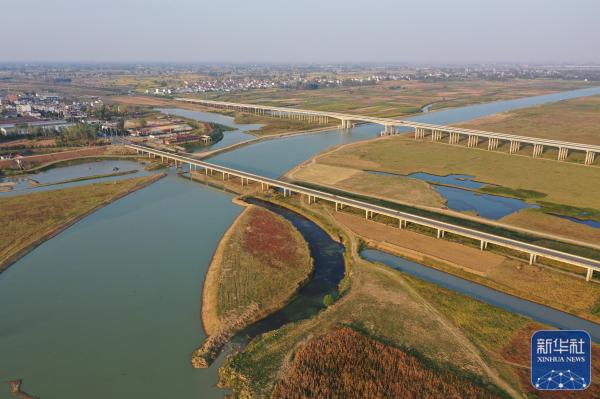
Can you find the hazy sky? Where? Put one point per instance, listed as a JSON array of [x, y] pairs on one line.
[[451, 31]]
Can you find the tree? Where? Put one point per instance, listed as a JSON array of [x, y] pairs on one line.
[[328, 300]]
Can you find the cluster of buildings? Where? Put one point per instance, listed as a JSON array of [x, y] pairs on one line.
[[22, 112], [168, 131], [242, 84]]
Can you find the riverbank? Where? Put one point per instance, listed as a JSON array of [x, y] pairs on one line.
[[231, 147], [31, 164], [35, 183], [259, 265], [28, 220]]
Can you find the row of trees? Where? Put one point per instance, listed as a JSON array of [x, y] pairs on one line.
[[79, 134]]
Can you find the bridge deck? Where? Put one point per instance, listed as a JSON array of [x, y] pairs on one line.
[[399, 122], [484, 238]]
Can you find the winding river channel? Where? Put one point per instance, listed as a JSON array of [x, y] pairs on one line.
[[110, 308]]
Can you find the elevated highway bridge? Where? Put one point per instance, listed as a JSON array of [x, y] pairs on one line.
[[453, 135], [534, 251]]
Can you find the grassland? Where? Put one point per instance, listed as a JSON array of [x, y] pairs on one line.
[[395, 98], [347, 364], [561, 183], [398, 189], [576, 120], [28, 220]]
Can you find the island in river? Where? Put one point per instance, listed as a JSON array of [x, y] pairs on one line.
[[257, 268]]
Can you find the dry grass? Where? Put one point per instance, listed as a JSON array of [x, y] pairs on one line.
[[535, 220], [576, 120], [479, 262], [346, 364], [542, 285], [396, 188], [263, 261], [27, 220], [563, 183]]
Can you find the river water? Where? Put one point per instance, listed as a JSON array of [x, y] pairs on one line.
[[110, 308]]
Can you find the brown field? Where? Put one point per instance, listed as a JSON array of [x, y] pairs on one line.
[[28, 143], [410, 191], [346, 364], [576, 120], [472, 259], [534, 219], [27, 220]]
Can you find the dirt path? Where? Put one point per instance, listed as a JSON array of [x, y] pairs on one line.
[[456, 333]]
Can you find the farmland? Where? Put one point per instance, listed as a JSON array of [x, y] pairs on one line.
[[395, 98]]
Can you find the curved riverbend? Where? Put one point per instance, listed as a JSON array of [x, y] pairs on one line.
[[329, 267], [537, 312]]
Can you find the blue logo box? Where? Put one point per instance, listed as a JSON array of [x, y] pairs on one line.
[[561, 360]]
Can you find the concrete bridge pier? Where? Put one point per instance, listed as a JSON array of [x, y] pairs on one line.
[[419, 133], [483, 245], [401, 223], [538, 149], [473, 141], [436, 135], [493, 143], [515, 146], [440, 233], [563, 152], [532, 258], [389, 130], [589, 274], [589, 157], [347, 124], [454, 138]]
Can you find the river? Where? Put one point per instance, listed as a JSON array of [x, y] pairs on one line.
[[110, 308]]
